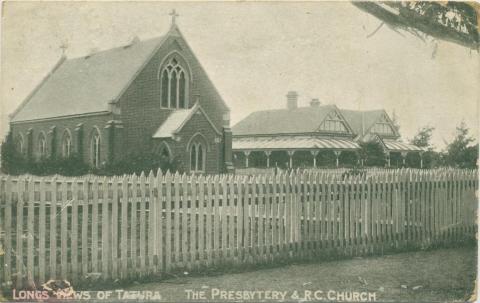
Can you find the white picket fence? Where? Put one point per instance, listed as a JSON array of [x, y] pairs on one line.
[[131, 226]]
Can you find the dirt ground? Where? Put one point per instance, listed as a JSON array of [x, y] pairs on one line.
[[443, 275]]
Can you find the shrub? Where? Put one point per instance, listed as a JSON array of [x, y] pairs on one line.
[[140, 162], [12, 162]]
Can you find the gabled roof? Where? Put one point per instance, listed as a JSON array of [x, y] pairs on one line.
[[283, 121], [177, 119], [86, 84], [89, 84], [354, 118]]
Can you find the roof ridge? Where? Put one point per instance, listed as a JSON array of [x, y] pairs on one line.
[[124, 46]]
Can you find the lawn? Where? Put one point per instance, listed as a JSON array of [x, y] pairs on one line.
[[442, 275]]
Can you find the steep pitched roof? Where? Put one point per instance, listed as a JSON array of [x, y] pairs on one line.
[[87, 84], [283, 121], [177, 119], [354, 118]]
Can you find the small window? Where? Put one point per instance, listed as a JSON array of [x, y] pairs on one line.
[[95, 149], [66, 144], [20, 144], [42, 146], [197, 157]]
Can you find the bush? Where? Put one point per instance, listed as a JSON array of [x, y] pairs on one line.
[[13, 163], [373, 154], [141, 162]]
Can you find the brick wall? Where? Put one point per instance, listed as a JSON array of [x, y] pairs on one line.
[[89, 123], [141, 112]]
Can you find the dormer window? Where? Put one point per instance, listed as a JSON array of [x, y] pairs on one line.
[[174, 85]]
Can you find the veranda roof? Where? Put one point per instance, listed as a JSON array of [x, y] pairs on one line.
[[397, 146], [292, 143]]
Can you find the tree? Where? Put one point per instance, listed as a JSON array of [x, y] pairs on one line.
[[372, 153], [451, 21], [460, 152], [430, 157], [423, 137]]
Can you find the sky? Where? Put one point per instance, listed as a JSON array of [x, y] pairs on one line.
[[255, 52]]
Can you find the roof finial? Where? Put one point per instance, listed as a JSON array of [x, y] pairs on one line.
[[63, 46], [174, 15]]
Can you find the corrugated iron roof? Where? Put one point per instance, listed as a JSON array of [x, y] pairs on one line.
[[397, 146], [87, 84], [284, 143]]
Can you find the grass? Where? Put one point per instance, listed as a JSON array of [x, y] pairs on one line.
[[442, 275]]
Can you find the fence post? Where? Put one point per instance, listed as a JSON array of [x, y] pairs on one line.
[[74, 235], [8, 229]]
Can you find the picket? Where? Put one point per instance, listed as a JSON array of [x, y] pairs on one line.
[[114, 229], [30, 231], [85, 224], [168, 221], [8, 229], [74, 231], [124, 229], [128, 226], [142, 222]]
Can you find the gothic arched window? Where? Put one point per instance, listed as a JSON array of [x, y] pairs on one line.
[[20, 144], [42, 146], [66, 144], [95, 149], [173, 79], [197, 157]]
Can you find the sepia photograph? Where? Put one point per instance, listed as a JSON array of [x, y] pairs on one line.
[[239, 151]]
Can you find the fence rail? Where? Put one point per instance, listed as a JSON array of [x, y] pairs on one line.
[[123, 227]]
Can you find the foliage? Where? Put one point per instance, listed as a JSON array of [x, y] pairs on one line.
[[430, 157], [136, 163], [451, 21], [12, 162], [460, 153], [423, 137], [354, 172], [372, 153]]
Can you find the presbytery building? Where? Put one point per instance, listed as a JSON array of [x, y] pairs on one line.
[[315, 135], [150, 95]]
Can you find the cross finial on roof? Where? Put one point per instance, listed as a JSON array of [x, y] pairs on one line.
[[63, 46], [174, 15]]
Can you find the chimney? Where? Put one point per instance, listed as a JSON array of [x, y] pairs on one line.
[[315, 103], [292, 100]]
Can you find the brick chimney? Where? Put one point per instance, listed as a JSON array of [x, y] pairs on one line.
[[292, 100], [315, 103]]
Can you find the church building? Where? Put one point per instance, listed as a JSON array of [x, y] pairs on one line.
[[150, 95]]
